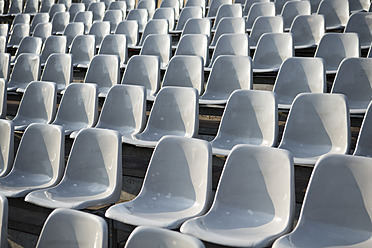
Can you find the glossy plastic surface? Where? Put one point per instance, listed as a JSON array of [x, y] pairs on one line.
[[159, 45], [60, 22], [130, 29], [361, 23], [257, 10], [114, 17], [58, 69], [139, 15], [307, 30], [186, 14], [194, 45], [72, 30], [53, 44], [291, 9], [228, 25], [265, 24], [336, 13], [115, 44], [227, 10], [214, 5], [83, 50], [85, 17]]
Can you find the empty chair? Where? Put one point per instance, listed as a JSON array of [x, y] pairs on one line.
[[230, 44], [197, 26], [85, 17], [7, 146], [139, 15], [76, 228], [314, 5], [58, 69], [200, 3], [272, 49], [99, 29], [114, 17], [55, 8], [227, 10], [43, 31], [175, 4], [307, 30], [143, 70], [260, 210], [115, 44], [74, 9], [336, 13], [29, 44], [83, 50], [72, 30], [31, 6], [53, 44], [185, 71], [359, 5], [333, 48], [195, 45], [159, 45], [130, 4], [19, 32], [45, 5], [60, 22], [247, 4], [279, 5], [153, 27], [4, 68], [3, 98], [15, 7], [87, 3], [148, 5], [354, 80], [38, 18], [328, 217], [108, 2], [104, 71], [250, 117], [25, 70], [4, 28], [167, 14], [298, 75], [39, 162], [146, 236], [130, 29], [177, 185], [214, 5], [291, 9], [98, 10], [186, 14], [228, 25], [78, 108], [363, 144], [317, 124], [257, 10], [93, 173], [174, 112], [263, 25], [124, 109], [120, 5], [229, 73], [361, 23], [20, 18], [67, 3]]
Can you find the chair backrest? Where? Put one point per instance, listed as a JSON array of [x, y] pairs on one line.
[[146, 236], [361, 23], [194, 44], [39, 18], [248, 4], [114, 17], [67, 3], [4, 66], [7, 147], [15, 7], [143, 70], [307, 30], [115, 44], [148, 5], [120, 5], [19, 32], [26, 69], [363, 145], [185, 71], [45, 5], [298, 75], [227, 10], [186, 14], [159, 45], [87, 3], [74, 9], [58, 68], [175, 4], [334, 47], [279, 5], [29, 44], [257, 10], [72, 30], [20, 18], [166, 14], [265, 24], [85, 17], [314, 5], [55, 8], [198, 26], [229, 25], [60, 22], [83, 49], [98, 10], [291, 9], [214, 5], [124, 109], [100, 29], [53, 44], [336, 13], [154, 27], [139, 15], [31, 6], [130, 4], [67, 226], [130, 29], [43, 31]]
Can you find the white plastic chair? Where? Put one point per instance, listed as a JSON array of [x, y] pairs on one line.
[[198, 26], [354, 80], [363, 144], [15, 7], [58, 69], [334, 47], [124, 109], [78, 108], [148, 5], [43, 31], [214, 5], [250, 117], [19, 32], [20, 18], [7, 146], [99, 29], [114, 17], [28, 44], [336, 13], [174, 112], [228, 25], [291, 9], [359, 6], [38, 18], [45, 5], [279, 5], [143, 70], [335, 212], [98, 10], [53, 44], [74, 9], [83, 50], [76, 228], [177, 185], [55, 8], [67, 3], [227, 10], [39, 162], [195, 45], [175, 4], [4, 67], [59, 23], [317, 124], [185, 71], [26, 69], [167, 14], [153, 27], [130, 4], [159, 45], [199, 3], [186, 14], [265, 24], [115, 44], [254, 202], [139, 15], [229, 73], [314, 5], [72, 30], [298, 75], [120, 5], [307, 30], [38, 105], [130, 29], [146, 236], [85, 17], [361, 23], [104, 71], [31, 7], [272, 49], [259, 9], [247, 4], [87, 3]]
